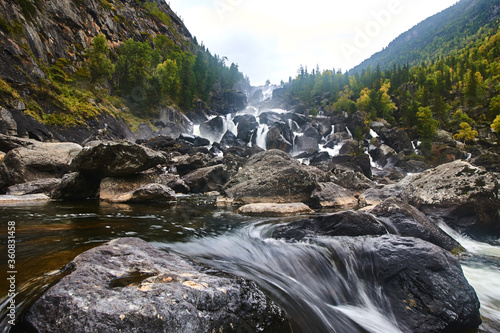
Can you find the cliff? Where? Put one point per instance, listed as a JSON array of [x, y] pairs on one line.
[[44, 90]]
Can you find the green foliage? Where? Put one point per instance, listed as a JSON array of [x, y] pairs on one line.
[[28, 8], [466, 133], [443, 34], [495, 126], [99, 65], [427, 126]]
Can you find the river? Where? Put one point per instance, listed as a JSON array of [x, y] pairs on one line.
[[320, 294]]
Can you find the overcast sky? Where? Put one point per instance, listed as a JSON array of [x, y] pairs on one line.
[[270, 39]]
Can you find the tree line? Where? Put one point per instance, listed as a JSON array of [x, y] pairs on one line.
[[456, 92], [158, 72]]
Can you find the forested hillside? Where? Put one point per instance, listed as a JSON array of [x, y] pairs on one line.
[[68, 63], [458, 93], [440, 35]]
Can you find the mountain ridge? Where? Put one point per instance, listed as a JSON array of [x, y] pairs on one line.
[[441, 34]]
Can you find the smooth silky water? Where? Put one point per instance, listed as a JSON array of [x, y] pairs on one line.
[[315, 283]]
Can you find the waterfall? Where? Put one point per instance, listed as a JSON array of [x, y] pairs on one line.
[[348, 132], [261, 136], [317, 284]]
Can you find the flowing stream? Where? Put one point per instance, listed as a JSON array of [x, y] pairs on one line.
[[316, 284]]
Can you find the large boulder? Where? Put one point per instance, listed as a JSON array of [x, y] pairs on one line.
[[466, 196], [76, 186], [346, 223], [424, 284], [329, 194], [274, 177], [134, 189], [127, 285], [207, 179], [37, 161], [117, 158], [403, 219]]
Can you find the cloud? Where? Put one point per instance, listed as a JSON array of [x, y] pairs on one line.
[[270, 39]]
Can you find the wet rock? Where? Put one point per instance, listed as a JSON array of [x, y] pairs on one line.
[[118, 158], [396, 138], [425, 285], [136, 188], [352, 180], [488, 160], [347, 223], [467, 197], [403, 219], [127, 285], [382, 154], [323, 125], [231, 140], [207, 179], [275, 140], [247, 126], [311, 132], [45, 186], [147, 193], [19, 199], [188, 163], [160, 142], [306, 144], [357, 162], [274, 176], [332, 195], [213, 128], [272, 209], [76, 186], [37, 161]]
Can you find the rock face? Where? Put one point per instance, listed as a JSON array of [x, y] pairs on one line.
[[117, 158], [37, 161], [465, 195], [127, 285], [424, 284], [273, 177]]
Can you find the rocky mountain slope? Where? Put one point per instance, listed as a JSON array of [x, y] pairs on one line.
[[56, 84]]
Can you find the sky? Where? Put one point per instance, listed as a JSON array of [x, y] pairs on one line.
[[270, 39]]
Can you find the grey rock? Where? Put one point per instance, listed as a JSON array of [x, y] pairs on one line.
[[405, 220], [207, 179], [466, 196], [346, 223], [127, 285], [76, 186], [38, 161], [425, 285], [329, 194], [275, 177], [45, 185], [117, 158]]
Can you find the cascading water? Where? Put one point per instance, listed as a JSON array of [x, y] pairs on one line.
[[317, 284], [261, 136], [481, 267]]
